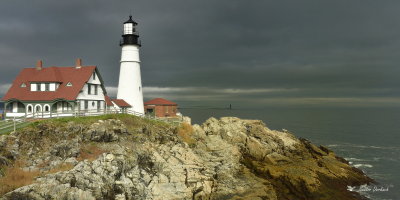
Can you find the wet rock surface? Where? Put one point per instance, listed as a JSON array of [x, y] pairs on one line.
[[229, 158]]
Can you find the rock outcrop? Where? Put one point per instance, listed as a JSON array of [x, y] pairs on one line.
[[131, 158]]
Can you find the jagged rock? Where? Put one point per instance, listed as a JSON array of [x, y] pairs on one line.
[[105, 131], [232, 159], [4, 161], [66, 148], [71, 161]]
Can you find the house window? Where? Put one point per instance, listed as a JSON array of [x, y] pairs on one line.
[[69, 84], [69, 107], [94, 75], [38, 108], [86, 104], [47, 86], [89, 88], [52, 86], [39, 88], [23, 85], [46, 108], [95, 90], [30, 108], [33, 87]]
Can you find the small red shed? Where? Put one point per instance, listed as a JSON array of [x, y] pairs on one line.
[[160, 107]]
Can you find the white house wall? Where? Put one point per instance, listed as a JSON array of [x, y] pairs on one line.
[[92, 105], [115, 105], [92, 81], [15, 107], [85, 96], [59, 106], [92, 99]]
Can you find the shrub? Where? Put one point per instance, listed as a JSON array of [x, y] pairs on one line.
[[14, 177], [89, 152], [60, 168], [185, 131]]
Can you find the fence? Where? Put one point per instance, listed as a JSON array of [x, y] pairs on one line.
[[11, 123]]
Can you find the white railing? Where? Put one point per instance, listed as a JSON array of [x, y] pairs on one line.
[[11, 123]]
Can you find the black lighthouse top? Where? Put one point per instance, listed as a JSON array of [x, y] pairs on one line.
[[130, 36]]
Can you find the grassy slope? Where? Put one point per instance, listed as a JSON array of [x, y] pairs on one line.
[[131, 120]]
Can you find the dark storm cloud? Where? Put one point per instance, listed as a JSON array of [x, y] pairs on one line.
[[298, 49]]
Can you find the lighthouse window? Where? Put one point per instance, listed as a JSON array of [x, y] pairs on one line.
[[128, 28]]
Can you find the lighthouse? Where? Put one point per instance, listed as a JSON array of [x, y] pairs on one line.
[[130, 81]]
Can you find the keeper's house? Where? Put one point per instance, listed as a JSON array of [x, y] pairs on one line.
[[46, 92]]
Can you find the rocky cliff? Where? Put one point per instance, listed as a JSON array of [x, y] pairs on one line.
[[124, 157]]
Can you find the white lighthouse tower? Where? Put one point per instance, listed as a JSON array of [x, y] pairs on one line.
[[130, 81]]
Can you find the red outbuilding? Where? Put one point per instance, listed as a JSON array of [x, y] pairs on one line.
[[160, 107]]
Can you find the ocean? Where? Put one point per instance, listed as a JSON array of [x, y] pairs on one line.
[[369, 138]]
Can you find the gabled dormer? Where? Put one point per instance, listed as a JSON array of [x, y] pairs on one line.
[[44, 86]]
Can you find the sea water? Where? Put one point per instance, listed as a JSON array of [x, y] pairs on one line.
[[369, 138]]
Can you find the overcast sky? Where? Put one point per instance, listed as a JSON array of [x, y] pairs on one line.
[[341, 52]]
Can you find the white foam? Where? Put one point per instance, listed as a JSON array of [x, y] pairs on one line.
[[363, 165], [332, 145]]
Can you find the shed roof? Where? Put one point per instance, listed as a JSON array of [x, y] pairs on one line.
[[160, 101], [121, 103]]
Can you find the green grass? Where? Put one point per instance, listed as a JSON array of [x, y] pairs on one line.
[[3, 122], [129, 120], [8, 130]]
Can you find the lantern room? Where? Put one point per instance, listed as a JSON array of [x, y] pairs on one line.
[[130, 35]]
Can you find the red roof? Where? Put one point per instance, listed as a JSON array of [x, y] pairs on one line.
[[121, 103], [160, 101], [108, 100], [62, 75]]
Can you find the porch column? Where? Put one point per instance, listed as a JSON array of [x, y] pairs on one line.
[[51, 109], [78, 102], [73, 108], [5, 109]]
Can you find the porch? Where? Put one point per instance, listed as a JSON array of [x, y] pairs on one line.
[[16, 108]]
